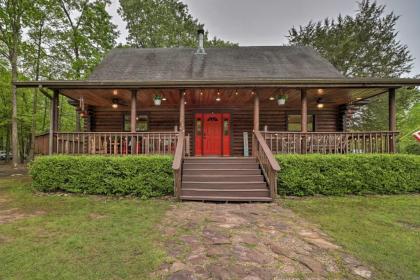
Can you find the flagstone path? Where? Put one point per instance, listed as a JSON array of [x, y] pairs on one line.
[[251, 242]]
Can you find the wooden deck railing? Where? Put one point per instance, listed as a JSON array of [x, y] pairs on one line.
[[177, 164], [268, 163], [114, 143], [330, 142], [42, 144]]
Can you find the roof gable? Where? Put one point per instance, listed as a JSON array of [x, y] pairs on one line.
[[241, 63]]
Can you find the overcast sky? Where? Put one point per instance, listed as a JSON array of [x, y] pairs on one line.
[[266, 22]]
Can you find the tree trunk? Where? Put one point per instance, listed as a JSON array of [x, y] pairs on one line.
[[15, 152], [7, 143]]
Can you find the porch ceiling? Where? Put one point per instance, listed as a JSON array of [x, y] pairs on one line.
[[228, 96]]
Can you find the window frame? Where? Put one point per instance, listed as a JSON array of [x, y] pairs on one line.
[[138, 115], [300, 115]]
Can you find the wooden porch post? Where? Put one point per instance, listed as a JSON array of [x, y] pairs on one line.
[[133, 121], [392, 117], [304, 111], [133, 110], [181, 111], [78, 127], [256, 122], [303, 119], [53, 121]]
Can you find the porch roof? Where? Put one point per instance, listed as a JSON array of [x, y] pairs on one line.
[[233, 83]]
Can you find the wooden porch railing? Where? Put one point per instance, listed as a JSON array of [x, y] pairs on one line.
[[42, 144], [177, 164], [114, 143], [268, 163], [330, 142]]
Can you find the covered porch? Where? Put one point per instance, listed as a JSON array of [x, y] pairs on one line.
[[223, 124], [116, 120]]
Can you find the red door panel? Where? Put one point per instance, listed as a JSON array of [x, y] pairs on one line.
[[212, 136]]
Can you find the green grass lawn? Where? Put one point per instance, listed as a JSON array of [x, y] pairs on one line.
[[381, 231], [77, 237]]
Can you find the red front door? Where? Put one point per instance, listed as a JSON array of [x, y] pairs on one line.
[[212, 134]]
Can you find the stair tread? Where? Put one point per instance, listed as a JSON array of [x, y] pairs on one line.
[[225, 169], [225, 158], [215, 175], [226, 198], [222, 182], [225, 190]]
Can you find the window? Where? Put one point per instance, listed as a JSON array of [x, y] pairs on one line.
[[226, 127], [198, 126], [293, 123], [142, 122]]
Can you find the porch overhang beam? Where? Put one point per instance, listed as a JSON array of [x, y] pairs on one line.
[[252, 83]]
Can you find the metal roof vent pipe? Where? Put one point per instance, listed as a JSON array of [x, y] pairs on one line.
[[200, 34]]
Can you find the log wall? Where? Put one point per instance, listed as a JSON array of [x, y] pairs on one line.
[[166, 118]]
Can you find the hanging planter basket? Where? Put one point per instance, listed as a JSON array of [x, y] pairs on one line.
[[281, 99], [157, 100]]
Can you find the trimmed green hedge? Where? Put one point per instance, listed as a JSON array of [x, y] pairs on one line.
[[303, 175], [143, 176]]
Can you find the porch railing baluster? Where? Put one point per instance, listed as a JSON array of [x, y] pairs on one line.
[[281, 142]]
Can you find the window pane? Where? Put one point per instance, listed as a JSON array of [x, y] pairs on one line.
[[293, 123], [127, 122], [198, 126], [142, 123], [226, 127]]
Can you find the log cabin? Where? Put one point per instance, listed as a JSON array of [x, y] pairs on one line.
[[223, 113]]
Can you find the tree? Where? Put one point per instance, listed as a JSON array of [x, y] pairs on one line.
[[12, 21], [364, 45], [162, 23], [46, 39], [84, 33]]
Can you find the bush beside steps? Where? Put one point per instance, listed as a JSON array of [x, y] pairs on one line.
[[304, 175], [300, 175], [142, 176]]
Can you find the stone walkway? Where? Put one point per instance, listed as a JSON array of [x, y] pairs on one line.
[[251, 242]]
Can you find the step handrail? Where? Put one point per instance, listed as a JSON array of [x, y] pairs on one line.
[[267, 161], [177, 164]]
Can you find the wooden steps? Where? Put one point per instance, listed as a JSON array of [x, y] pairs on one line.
[[223, 179]]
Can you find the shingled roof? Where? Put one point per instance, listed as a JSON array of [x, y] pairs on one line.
[[238, 63]]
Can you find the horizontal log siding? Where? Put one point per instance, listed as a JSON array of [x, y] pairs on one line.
[[165, 119]]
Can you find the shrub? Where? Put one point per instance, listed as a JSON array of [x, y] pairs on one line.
[[143, 176], [413, 148], [302, 175]]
